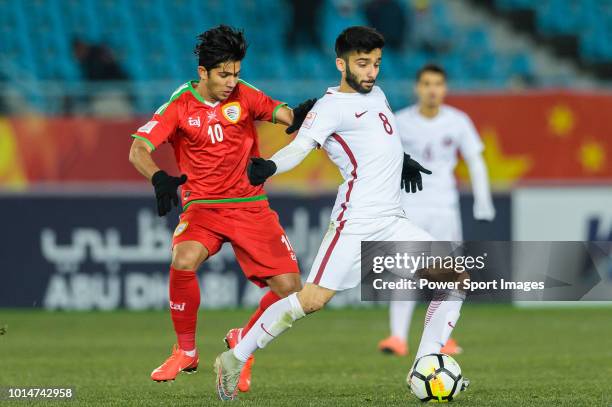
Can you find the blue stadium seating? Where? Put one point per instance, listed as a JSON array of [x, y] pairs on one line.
[[154, 39], [589, 20]]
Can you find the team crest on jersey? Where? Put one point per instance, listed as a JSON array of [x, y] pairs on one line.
[[232, 111], [180, 228], [212, 115]]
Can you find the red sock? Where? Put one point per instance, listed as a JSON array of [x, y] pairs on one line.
[[184, 304], [268, 299]]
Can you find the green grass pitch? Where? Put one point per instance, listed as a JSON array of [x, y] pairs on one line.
[[514, 357]]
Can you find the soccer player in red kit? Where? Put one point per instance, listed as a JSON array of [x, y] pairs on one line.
[[210, 125]]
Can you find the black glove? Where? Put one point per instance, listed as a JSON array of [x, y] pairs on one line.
[[411, 174], [299, 114], [259, 170], [165, 190]]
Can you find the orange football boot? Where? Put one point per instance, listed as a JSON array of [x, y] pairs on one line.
[[393, 345], [232, 338], [451, 347], [178, 362]]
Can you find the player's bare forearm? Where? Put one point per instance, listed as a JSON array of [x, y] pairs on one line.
[[140, 157], [284, 115], [166, 186]]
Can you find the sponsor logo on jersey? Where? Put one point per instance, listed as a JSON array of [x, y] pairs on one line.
[[180, 228], [232, 111], [194, 121], [177, 307], [358, 115], [148, 127], [309, 120]]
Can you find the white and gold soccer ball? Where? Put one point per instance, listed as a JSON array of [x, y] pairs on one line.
[[435, 378]]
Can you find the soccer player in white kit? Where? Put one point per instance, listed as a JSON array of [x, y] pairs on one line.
[[434, 133], [355, 126]]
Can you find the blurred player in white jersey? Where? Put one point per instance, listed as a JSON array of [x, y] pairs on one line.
[[434, 133], [355, 126]]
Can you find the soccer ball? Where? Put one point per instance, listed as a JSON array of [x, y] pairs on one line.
[[436, 377]]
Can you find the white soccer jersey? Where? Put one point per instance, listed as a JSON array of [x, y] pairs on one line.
[[360, 135], [434, 143]]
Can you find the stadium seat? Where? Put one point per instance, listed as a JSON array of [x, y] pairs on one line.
[[155, 42], [588, 20]]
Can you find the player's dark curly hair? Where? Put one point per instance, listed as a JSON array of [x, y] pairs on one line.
[[220, 44], [358, 38], [430, 68]]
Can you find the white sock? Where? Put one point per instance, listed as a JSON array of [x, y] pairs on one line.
[[190, 353], [274, 321], [442, 315], [400, 315]]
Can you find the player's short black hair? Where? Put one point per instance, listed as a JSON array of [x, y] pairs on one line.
[[220, 44], [358, 38], [430, 68]]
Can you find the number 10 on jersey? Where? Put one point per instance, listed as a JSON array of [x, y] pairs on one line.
[[216, 133]]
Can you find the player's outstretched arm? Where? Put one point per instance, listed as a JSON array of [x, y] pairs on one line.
[[411, 175], [260, 169], [140, 157], [165, 185], [483, 202], [294, 118]]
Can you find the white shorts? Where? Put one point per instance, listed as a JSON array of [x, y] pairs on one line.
[[443, 223], [337, 265]]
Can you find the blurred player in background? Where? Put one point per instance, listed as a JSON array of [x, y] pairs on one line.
[[354, 124], [433, 133], [210, 125]]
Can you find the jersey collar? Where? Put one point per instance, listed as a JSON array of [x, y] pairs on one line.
[[334, 91], [199, 97]]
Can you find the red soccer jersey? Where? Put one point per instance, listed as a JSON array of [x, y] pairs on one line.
[[213, 142]]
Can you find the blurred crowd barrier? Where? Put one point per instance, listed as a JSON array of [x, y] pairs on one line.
[[104, 252], [111, 251]]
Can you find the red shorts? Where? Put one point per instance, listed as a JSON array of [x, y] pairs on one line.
[[259, 241]]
